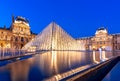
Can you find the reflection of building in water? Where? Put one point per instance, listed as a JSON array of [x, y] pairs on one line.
[[19, 71], [17, 35], [102, 39], [59, 61], [49, 64]]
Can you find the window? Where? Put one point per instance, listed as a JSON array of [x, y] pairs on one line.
[[97, 42], [22, 45], [11, 38], [6, 37], [1, 45], [22, 39], [27, 40], [100, 42], [16, 38], [21, 29], [116, 42], [104, 42]]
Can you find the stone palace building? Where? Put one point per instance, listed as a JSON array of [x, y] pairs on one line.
[[102, 39], [17, 35]]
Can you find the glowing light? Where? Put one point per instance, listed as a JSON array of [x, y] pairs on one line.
[[93, 47], [66, 74], [103, 47], [104, 55], [94, 58], [32, 49]]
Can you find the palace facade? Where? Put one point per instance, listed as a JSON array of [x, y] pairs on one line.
[[17, 35], [102, 39]]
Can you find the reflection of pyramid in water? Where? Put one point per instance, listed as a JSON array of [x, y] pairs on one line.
[[53, 37]]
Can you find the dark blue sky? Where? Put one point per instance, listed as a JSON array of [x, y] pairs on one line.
[[80, 18]]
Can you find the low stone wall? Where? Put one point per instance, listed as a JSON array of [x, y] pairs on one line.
[[97, 72], [116, 53]]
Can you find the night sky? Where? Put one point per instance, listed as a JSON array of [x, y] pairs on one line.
[[80, 18]]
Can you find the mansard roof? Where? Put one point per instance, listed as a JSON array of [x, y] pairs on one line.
[[101, 28], [19, 18]]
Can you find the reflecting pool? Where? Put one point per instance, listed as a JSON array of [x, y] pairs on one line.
[[47, 65]]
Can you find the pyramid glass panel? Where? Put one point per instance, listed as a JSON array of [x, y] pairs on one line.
[[53, 37]]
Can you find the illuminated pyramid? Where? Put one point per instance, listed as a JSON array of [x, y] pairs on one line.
[[53, 37]]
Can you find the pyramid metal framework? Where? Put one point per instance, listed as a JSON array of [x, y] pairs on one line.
[[53, 37]]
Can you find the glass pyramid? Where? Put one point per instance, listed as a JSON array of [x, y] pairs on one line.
[[53, 37]]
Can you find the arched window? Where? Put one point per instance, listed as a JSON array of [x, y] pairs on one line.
[[26, 39], [22, 39], [1, 45], [22, 45], [6, 37], [21, 29], [16, 38], [11, 38]]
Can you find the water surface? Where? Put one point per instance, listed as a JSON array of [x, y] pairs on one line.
[[45, 65]]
